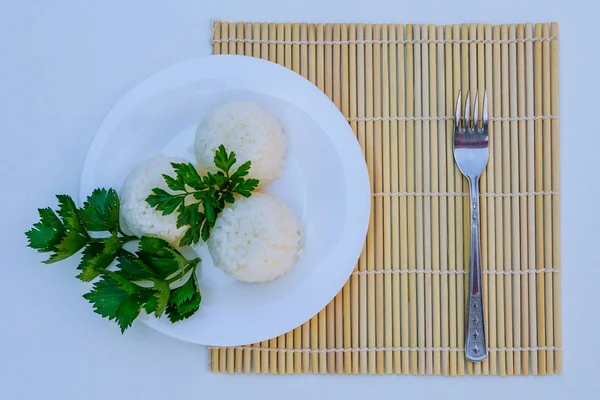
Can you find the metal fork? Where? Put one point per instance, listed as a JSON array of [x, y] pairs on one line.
[[471, 155]]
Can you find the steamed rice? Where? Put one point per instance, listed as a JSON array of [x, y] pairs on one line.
[[248, 130], [256, 239], [137, 216]]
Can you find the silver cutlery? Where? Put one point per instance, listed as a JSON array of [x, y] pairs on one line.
[[471, 150]]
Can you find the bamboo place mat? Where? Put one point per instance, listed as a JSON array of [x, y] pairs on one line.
[[403, 309]]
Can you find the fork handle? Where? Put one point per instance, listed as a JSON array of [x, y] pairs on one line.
[[475, 345]]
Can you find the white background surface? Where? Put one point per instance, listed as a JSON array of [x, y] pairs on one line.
[[63, 64]]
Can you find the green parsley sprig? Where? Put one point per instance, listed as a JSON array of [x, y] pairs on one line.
[[212, 191], [126, 282], [139, 280]]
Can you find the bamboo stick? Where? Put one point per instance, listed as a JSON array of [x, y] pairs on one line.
[[506, 202], [232, 35], [240, 35], [514, 187], [426, 202], [363, 261], [355, 294], [379, 220], [264, 54], [339, 299], [490, 185], [547, 142], [304, 50], [402, 149], [216, 36], [264, 47], [321, 85], [346, 311], [329, 92], [369, 151], [272, 38], [522, 187], [450, 170], [231, 359], [312, 76], [461, 76], [296, 67], [426, 177], [256, 52], [288, 63], [248, 34], [280, 47], [410, 173], [222, 359], [256, 47], [387, 220], [531, 220], [266, 356], [243, 357], [539, 212], [287, 47], [275, 364], [280, 59], [306, 327], [497, 107], [472, 368], [419, 219], [435, 202], [485, 367], [296, 48], [555, 200], [395, 208], [443, 204], [214, 352], [223, 356]]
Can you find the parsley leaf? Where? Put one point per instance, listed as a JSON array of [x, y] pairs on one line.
[[68, 212], [101, 211], [246, 187], [184, 301], [60, 232], [243, 170], [159, 255], [165, 201], [183, 293], [97, 257], [106, 298], [224, 161], [115, 298], [188, 174], [46, 234], [162, 293], [134, 269]]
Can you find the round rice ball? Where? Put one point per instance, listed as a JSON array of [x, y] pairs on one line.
[[248, 130], [256, 239], [137, 216]]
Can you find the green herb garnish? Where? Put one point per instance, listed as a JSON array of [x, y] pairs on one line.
[[138, 281], [212, 191], [141, 279]]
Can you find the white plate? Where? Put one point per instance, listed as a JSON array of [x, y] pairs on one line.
[[325, 182]]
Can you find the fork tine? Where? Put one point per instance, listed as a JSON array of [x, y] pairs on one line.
[[457, 114], [468, 111], [476, 111], [485, 111]]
